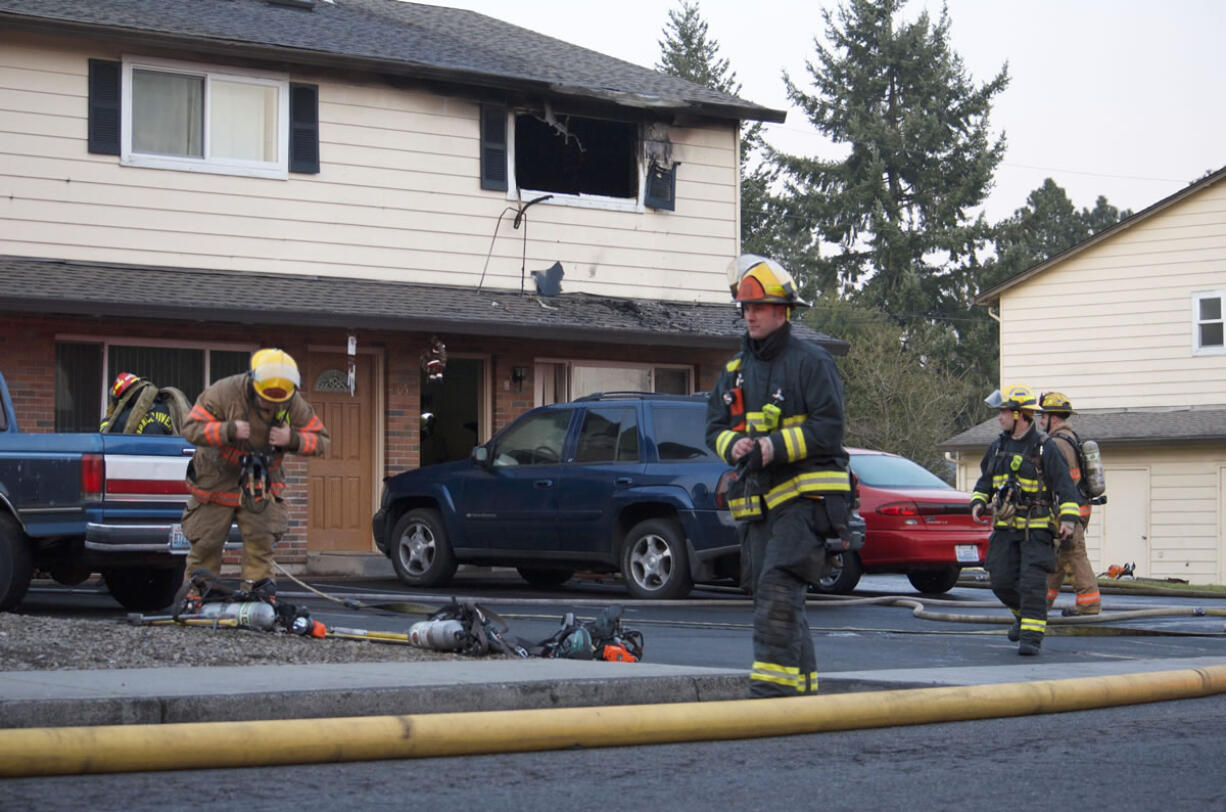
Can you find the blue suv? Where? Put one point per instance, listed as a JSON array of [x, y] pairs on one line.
[[611, 482]]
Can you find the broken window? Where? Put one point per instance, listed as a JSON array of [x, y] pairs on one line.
[[576, 155]]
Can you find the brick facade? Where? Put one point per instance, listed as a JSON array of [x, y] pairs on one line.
[[27, 346]]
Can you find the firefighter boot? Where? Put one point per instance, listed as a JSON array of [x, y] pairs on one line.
[[1016, 629], [1030, 643]]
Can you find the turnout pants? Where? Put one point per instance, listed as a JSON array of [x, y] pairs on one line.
[[207, 524], [1019, 563], [1071, 560], [781, 554]]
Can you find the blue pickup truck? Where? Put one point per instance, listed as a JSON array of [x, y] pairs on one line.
[[75, 504], [612, 482]]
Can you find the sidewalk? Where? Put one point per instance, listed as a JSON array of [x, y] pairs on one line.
[[167, 695]]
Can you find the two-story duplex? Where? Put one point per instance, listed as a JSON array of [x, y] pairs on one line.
[[1129, 325], [184, 181]]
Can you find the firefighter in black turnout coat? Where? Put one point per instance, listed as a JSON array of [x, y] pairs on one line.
[[776, 414], [1025, 482]]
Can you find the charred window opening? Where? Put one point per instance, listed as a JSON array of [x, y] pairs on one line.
[[575, 155]]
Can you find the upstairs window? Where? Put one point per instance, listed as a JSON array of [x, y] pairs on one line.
[[577, 160], [177, 115], [1209, 324], [186, 117]]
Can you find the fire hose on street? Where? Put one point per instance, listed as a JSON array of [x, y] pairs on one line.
[[219, 745]]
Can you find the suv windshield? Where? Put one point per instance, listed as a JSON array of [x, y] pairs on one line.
[[884, 471], [535, 440], [680, 432]]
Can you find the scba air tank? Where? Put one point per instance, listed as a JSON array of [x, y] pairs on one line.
[[440, 635], [248, 614], [1096, 481]]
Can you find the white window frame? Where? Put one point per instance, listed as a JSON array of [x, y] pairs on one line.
[[278, 169], [603, 202], [106, 342], [1197, 348], [538, 394]]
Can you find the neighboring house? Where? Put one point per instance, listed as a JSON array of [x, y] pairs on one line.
[[1129, 325], [183, 181]]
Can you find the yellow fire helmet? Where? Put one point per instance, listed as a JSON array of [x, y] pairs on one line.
[[1055, 402], [274, 374], [1016, 397], [752, 278]]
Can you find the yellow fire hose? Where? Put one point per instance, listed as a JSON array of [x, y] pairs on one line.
[[131, 748]]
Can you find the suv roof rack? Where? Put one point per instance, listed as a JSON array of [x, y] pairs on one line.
[[629, 395]]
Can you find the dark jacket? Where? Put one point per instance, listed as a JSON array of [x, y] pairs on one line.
[[800, 380], [1032, 474]]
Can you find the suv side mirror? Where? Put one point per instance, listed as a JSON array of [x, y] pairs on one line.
[[481, 455]]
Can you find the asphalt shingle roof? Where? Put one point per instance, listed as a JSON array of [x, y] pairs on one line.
[[97, 289], [1117, 427], [387, 36]]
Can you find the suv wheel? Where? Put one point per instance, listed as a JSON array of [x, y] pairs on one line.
[[420, 551], [935, 582], [655, 562], [842, 575], [16, 563]]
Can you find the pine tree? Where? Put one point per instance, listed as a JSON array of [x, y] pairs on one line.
[[894, 218], [686, 51]]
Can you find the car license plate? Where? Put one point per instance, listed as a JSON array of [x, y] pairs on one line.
[[178, 541], [966, 553]]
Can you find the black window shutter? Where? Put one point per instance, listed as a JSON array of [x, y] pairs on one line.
[[104, 97], [661, 192], [493, 147], [304, 128]]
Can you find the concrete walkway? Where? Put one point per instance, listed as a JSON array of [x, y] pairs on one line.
[[165, 695]]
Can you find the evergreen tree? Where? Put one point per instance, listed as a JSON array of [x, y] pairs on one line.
[[1047, 225], [893, 218], [687, 52]]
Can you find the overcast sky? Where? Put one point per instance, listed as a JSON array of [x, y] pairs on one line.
[[1109, 97]]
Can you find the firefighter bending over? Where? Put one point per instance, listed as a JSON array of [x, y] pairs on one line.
[[776, 413], [1055, 410], [242, 427], [1025, 480]]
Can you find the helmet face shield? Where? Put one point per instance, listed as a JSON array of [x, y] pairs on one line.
[[274, 375], [995, 400], [1016, 397]]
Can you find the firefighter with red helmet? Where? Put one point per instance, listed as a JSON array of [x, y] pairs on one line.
[[1054, 412], [776, 413], [137, 406], [242, 427], [1025, 480]]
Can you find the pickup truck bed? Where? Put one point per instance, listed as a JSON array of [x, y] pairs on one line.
[[76, 503]]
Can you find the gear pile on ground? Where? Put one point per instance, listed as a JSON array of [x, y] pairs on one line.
[[33, 643]]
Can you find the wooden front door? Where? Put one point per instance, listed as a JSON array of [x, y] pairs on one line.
[[339, 482]]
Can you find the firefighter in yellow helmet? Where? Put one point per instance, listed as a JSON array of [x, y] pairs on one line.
[[242, 427], [776, 413], [1054, 412], [1025, 480]]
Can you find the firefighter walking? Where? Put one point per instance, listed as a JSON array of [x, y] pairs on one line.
[[242, 427], [1071, 558], [1025, 480], [777, 414]]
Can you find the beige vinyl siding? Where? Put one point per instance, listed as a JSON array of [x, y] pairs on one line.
[[1185, 502], [397, 197], [1112, 325]]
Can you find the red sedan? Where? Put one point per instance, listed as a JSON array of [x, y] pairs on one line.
[[915, 524]]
